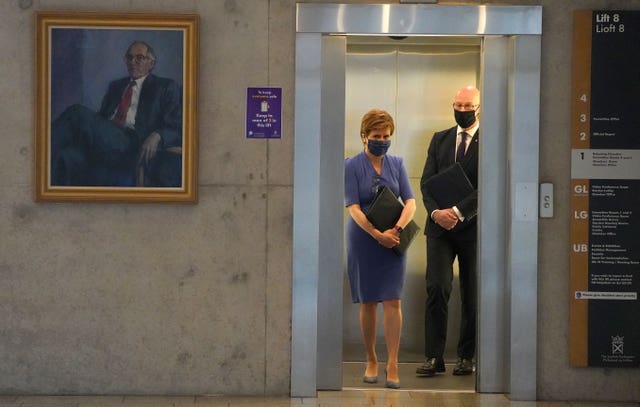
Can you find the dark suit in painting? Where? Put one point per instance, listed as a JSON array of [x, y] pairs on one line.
[[444, 245], [88, 149]]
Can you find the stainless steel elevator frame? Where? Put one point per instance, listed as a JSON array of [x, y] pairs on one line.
[[508, 191]]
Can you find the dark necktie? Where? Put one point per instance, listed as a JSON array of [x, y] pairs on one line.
[[123, 106], [461, 147]]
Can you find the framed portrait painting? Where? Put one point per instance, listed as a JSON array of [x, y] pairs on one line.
[[115, 107]]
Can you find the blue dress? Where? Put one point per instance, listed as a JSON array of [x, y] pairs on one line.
[[375, 272]]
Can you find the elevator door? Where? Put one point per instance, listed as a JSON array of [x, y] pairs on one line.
[[414, 79]]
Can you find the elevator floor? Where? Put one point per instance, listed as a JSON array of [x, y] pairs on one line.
[[352, 379], [353, 367]]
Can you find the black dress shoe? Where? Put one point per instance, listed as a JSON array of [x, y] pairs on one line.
[[430, 367], [463, 367]]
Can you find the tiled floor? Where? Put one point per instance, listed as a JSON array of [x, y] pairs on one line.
[[345, 398], [444, 390]]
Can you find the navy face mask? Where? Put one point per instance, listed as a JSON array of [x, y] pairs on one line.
[[378, 147], [465, 119]]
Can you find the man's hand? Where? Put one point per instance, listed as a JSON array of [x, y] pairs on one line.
[[149, 148], [446, 218]]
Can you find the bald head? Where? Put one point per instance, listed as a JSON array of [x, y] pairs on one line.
[[468, 94]]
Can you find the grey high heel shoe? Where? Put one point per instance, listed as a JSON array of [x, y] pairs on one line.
[[390, 383], [370, 379]]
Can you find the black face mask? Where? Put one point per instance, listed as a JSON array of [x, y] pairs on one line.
[[465, 119]]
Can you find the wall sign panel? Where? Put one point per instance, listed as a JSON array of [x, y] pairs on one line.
[[604, 327]]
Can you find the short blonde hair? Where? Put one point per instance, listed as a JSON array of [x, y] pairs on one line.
[[376, 119]]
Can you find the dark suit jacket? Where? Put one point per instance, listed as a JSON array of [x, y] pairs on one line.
[[159, 108], [440, 156]]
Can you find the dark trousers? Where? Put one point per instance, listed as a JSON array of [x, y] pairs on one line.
[[90, 150], [441, 252]]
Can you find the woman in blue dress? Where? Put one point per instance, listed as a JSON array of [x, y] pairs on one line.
[[376, 273]]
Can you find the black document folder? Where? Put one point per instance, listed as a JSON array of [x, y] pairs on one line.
[[449, 186], [385, 211]]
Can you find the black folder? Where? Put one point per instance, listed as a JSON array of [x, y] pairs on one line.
[[385, 211], [449, 186]]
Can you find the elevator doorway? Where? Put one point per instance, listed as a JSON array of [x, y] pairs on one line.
[[507, 202], [414, 79]]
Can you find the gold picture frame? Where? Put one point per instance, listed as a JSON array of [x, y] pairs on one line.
[[84, 60]]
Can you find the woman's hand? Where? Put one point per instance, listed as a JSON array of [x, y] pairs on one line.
[[389, 238]]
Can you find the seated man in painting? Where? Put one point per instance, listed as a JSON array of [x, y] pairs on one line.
[[134, 139]]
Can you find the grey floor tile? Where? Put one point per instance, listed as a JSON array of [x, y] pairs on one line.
[[49, 401], [8, 401], [260, 401], [211, 401], [100, 401], [158, 401]]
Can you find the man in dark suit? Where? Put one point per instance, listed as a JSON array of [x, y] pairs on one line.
[[451, 232], [124, 144]]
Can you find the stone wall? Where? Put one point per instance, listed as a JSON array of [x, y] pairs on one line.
[[123, 298]]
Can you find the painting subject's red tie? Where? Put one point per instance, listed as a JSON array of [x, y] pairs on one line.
[[123, 107]]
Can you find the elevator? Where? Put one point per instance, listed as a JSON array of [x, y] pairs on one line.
[[414, 79], [506, 43]]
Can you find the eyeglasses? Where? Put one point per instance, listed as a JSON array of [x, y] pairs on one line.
[[136, 58], [465, 106]]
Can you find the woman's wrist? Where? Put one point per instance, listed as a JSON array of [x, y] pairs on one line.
[[376, 234]]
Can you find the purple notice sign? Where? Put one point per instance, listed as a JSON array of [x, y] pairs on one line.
[[264, 110]]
